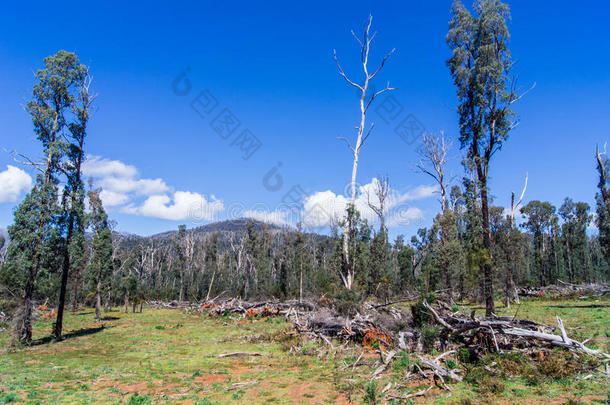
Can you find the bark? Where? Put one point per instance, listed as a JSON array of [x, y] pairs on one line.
[[24, 327], [127, 302], [98, 301], [487, 267]]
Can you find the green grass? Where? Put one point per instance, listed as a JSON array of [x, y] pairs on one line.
[[169, 356]]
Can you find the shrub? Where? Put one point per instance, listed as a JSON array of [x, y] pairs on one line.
[[8, 398], [370, 392], [429, 335], [558, 364], [346, 302], [421, 315], [139, 400], [464, 355], [402, 362], [484, 382]]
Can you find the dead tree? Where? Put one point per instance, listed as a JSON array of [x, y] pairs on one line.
[[433, 157], [510, 288], [382, 189], [366, 99], [514, 207]]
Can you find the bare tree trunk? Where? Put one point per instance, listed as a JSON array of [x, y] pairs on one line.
[[487, 269], [24, 322], [207, 297], [98, 301], [301, 282], [348, 267], [127, 302]]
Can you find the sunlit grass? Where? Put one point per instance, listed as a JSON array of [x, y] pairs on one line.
[[169, 356]]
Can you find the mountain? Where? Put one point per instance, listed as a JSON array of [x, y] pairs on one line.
[[233, 225]]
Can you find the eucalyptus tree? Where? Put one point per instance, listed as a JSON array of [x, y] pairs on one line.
[[576, 219], [101, 264], [74, 191], [35, 234], [540, 219], [603, 202], [481, 69]]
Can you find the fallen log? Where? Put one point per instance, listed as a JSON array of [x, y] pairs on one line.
[[239, 354], [440, 370]]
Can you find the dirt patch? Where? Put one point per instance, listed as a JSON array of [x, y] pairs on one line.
[[136, 388], [105, 383], [123, 325], [210, 378]]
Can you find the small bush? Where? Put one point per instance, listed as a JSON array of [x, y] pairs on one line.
[[370, 392], [8, 398], [558, 364], [420, 314], [346, 302], [464, 355], [429, 336], [402, 362], [139, 400], [484, 382]]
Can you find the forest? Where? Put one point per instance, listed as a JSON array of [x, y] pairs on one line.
[[403, 299]]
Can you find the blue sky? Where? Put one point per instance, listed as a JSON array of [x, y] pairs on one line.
[[271, 65]]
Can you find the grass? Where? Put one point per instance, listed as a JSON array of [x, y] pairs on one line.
[[169, 356]]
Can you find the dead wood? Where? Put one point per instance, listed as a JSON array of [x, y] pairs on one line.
[[239, 354]]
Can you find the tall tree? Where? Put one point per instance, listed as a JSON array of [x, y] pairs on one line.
[[576, 219], [366, 99], [481, 68], [603, 202], [101, 263], [74, 192], [299, 257], [37, 217], [540, 219]]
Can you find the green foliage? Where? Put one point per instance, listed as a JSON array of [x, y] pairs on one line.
[[429, 334], [421, 315], [402, 362], [136, 399], [464, 355], [370, 392], [346, 302], [484, 381], [10, 398]]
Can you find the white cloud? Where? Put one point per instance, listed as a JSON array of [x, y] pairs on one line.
[[123, 187], [128, 185], [324, 208], [404, 216], [112, 198], [96, 166], [276, 217], [420, 192], [13, 181], [181, 206]]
